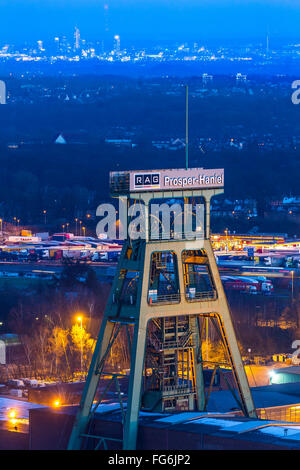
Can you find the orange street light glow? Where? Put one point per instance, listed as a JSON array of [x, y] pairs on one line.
[[56, 403], [12, 414]]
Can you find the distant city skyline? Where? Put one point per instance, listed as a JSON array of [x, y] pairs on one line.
[[155, 20], [76, 50]]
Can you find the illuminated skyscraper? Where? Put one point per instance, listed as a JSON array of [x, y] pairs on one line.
[[57, 45], [107, 39], [77, 39], [106, 21], [117, 44], [268, 44], [40, 45], [64, 46]]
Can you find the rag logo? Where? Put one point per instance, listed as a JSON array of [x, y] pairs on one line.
[[147, 180]]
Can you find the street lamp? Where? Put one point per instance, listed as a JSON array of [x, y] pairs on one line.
[[226, 233], [83, 230], [76, 231], [79, 319], [1, 222], [45, 216], [292, 273], [12, 414], [249, 351]]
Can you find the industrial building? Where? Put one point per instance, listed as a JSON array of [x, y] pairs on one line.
[[50, 430], [285, 375]]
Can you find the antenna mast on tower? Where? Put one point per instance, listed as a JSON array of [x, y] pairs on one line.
[[186, 126]]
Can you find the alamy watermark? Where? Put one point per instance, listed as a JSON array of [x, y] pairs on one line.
[[2, 352], [296, 93], [296, 354], [156, 221], [2, 92]]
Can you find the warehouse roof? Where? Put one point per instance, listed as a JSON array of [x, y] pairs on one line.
[[263, 397]]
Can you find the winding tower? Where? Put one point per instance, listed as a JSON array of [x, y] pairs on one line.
[[166, 292]]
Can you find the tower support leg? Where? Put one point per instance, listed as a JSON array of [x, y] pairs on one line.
[[135, 384], [199, 378], [90, 388], [230, 341]]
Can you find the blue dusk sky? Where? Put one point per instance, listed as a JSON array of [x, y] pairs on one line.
[[23, 20]]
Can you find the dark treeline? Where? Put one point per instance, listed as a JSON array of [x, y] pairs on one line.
[[40, 108], [68, 180]]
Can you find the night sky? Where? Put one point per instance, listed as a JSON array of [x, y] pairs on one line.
[[23, 20]]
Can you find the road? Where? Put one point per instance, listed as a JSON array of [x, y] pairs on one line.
[[260, 375], [106, 270], [54, 267]]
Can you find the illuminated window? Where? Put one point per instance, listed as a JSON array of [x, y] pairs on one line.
[[163, 285], [197, 278]]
